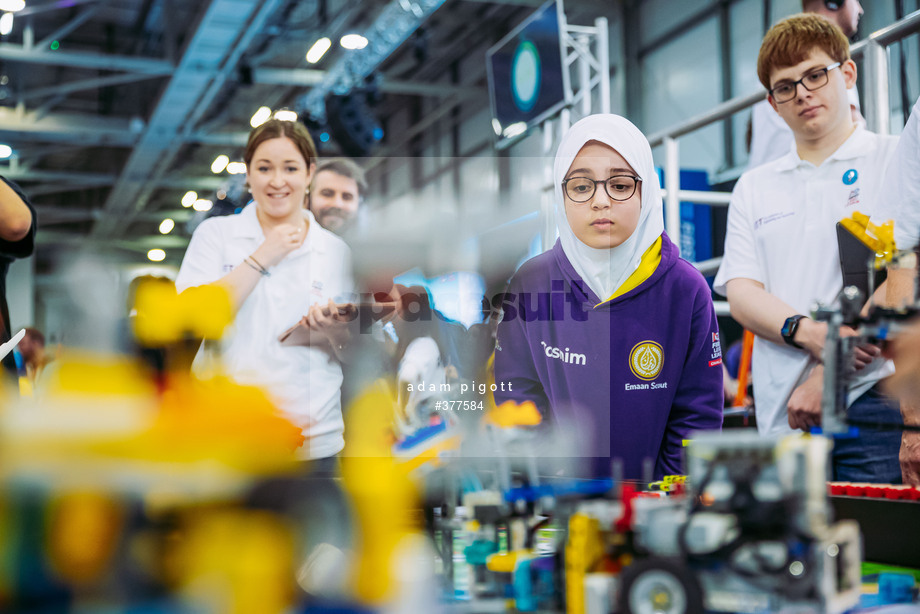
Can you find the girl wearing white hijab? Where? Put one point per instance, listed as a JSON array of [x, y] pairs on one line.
[[610, 333]]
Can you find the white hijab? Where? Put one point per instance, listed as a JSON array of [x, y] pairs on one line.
[[605, 270]]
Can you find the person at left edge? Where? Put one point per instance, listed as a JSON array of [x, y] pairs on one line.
[[610, 333], [17, 240], [277, 263]]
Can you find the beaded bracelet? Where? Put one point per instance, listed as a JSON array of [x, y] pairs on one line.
[[257, 267], [259, 264]]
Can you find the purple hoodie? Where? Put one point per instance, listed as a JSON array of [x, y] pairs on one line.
[[630, 378]]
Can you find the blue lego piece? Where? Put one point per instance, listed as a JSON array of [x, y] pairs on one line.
[[852, 432], [895, 587], [421, 435], [581, 487]]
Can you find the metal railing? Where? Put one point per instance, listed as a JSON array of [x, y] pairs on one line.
[[874, 51]]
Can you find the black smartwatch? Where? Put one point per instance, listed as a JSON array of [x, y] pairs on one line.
[[790, 327]]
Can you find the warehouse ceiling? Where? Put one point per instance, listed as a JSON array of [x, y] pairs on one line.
[[114, 109]]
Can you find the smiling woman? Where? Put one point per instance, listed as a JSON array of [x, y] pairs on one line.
[[276, 262], [278, 177]]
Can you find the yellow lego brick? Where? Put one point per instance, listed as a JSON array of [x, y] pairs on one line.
[[509, 414], [506, 562], [582, 552], [878, 238], [163, 316]]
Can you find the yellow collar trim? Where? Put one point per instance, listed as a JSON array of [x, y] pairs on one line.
[[648, 265]]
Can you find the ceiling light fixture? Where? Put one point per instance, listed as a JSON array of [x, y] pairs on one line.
[[353, 41], [166, 226], [219, 164], [260, 117], [318, 50], [286, 115], [236, 168], [189, 199], [202, 204], [156, 255], [5, 151], [6, 24], [12, 5], [392, 27]]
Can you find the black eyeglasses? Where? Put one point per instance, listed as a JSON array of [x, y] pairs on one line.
[[618, 187], [784, 91]]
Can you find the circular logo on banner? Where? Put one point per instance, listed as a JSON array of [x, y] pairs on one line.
[[850, 177], [646, 359], [525, 76]]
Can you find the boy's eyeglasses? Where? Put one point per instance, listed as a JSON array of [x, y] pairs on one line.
[[618, 187], [784, 91]]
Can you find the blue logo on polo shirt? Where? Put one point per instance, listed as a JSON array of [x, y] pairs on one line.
[[850, 177]]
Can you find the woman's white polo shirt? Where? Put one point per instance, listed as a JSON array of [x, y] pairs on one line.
[[304, 382]]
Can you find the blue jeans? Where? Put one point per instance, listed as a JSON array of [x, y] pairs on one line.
[[872, 456]]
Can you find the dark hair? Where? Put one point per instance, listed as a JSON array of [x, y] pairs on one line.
[[792, 39], [276, 129], [33, 334], [345, 168]]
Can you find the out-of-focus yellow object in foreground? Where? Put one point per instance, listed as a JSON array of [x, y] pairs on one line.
[[237, 561], [117, 465], [83, 533], [382, 495], [163, 316], [102, 420], [510, 414], [214, 419], [391, 556]]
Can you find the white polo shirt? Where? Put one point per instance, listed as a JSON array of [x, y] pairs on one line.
[[900, 197], [782, 233], [302, 381]]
